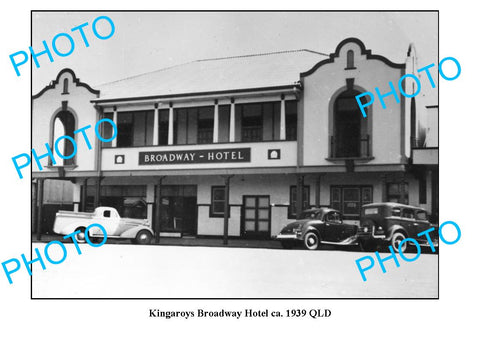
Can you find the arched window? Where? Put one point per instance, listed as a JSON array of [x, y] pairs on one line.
[[350, 59], [63, 125], [350, 136], [65, 86]]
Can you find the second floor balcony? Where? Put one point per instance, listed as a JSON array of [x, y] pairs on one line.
[[351, 146], [231, 123]]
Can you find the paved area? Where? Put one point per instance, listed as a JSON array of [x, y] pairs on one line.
[[149, 271]]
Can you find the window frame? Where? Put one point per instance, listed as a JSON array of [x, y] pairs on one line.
[[209, 130], [212, 213], [361, 201], [410, 211], [145, 127], [418, 212], [65, 86], [292, 214], [350, 60], [258, 127], [398, 195]]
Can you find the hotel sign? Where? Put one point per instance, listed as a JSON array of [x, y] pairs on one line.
[[194, 156]]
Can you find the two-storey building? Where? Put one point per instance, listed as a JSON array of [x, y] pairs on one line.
[[240, 143]]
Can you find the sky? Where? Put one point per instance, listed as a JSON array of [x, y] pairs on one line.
[[147, 41]]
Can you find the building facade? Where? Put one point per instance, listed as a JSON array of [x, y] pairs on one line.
[[237, 146]]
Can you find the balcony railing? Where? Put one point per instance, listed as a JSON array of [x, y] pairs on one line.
[[349, 148], [252, 134], [205, 136]]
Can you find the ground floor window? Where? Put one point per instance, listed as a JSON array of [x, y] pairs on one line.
[[129, 200], [292, 212], [217, 206], [349, 199], [394, 192]]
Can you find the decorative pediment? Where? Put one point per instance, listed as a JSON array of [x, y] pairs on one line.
[[73, 80]]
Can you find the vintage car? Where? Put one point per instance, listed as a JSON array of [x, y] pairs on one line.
[[67, 222], [317, 226], [384, 224]]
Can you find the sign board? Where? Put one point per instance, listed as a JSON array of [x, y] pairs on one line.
[[194, 156]]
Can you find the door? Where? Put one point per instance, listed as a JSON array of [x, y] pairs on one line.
[[333, 227], [408, 221], [256, 217], [110, 221], [178, 209], [421, 224]]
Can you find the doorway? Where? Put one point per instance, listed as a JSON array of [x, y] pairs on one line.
[[256, 217], [178, 209]]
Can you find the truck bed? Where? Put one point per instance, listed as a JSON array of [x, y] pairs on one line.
[[68, 213]]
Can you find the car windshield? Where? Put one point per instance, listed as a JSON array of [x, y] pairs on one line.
[[309, 215]]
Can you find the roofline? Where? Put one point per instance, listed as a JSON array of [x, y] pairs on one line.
[[55, 82], [364, 51], [262, 54], [211, 59], [393, 204], [192, 94]]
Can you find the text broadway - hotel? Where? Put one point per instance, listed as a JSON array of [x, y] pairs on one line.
[[257, 138]]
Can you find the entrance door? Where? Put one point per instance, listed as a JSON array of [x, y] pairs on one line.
[[256, 217], [178, 209]]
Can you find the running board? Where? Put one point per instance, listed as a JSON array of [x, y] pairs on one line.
[[346, 242]]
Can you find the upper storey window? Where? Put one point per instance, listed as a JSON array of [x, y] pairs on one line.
[[350, 60], [65, 86], [256, 122], [64, 125], [253, 122], [135, 128], [350, 136], [193, 125]]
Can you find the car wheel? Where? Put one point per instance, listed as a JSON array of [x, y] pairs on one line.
[[397, 238], [143, 237], [80, 237], [287, 244], [94, 239], [367, 245], [311, 241]]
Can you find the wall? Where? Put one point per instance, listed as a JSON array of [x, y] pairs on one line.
[[320, 90], [48, 104], [259, 156]]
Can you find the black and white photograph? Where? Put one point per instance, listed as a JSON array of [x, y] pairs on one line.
[[235, 170], [271, 161]]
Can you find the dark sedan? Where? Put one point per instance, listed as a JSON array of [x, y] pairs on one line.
[[317, 226], [390, 223]]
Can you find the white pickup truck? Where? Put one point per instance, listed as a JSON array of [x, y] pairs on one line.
[[67, 222]]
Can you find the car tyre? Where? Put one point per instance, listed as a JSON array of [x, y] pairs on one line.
[[287, 244], [311, 241], [397, 238], [94, 239], [80, 237], [143, 237]]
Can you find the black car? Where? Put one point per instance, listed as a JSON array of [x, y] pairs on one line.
[[385, 224], [317, 226]]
